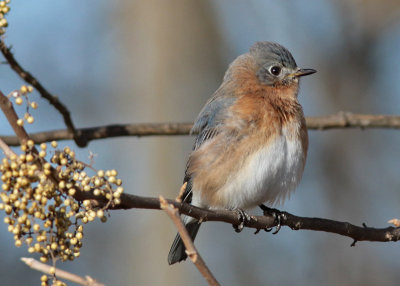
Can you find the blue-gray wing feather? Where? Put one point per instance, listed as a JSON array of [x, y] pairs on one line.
[[207, 126]]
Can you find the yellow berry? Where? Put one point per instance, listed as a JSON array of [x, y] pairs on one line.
[[29, 158], [19, 100], [36, 227], [34, 105], [79, 235], [20, 122], [24, 89], [37, 247], [30, 119], [43, 146], [3, 22], [100, 213], [71, 192]]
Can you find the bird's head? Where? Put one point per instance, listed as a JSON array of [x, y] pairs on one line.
[[276, 65]]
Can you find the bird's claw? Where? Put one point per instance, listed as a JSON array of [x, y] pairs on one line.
[[243, 218], [278, 216]]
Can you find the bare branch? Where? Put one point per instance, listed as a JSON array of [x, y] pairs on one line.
[[12, 117], [181, 192], [109, 131], [191, 250], [350, 120], [341, 120], [53, 100], [6, 149], [41, 267], [357, 233]]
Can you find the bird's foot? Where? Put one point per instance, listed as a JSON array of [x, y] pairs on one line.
[[277, 214], [243, 218]]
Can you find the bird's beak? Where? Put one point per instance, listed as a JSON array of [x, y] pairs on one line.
[[303, 72]]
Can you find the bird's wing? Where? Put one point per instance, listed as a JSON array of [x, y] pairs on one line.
[[207, 125]]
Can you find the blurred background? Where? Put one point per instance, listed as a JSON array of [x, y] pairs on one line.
[[158, 61]]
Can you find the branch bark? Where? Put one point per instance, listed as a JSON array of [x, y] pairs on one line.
[[41, 267], [191, 250], [341, 120], [357, 233]]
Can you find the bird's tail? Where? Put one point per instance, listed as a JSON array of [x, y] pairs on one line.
[[177, 252]]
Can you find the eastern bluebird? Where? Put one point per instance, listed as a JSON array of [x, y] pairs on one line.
[[252, 138]]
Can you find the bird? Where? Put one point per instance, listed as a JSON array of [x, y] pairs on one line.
[[251, 144]]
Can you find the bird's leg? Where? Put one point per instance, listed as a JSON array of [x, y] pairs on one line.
[[243, 217], [278, 216]]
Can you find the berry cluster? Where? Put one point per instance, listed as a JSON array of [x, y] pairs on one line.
[[40, 199], [4, 9], [21, 95]]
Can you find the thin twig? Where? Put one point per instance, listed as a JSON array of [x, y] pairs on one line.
[[6, 149], [53, 100], [191, 250], [12, 117], [341, 120], [344, 119], [181, 192], [41, 267]]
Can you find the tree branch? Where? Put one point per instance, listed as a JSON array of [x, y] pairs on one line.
[[357, 233], [341, 120], [191, 250], [12, 117], [53, 100], [36, 265]]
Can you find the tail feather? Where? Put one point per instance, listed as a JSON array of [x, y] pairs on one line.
[[177, 252]]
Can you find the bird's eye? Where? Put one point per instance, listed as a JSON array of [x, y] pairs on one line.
[[275, 70]]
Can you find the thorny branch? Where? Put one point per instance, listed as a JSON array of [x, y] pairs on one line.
[[341, 120], [53, 100]]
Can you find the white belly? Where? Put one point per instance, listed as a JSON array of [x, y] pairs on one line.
[[269, 175]]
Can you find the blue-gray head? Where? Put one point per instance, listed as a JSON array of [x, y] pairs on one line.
[[276, 64]]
